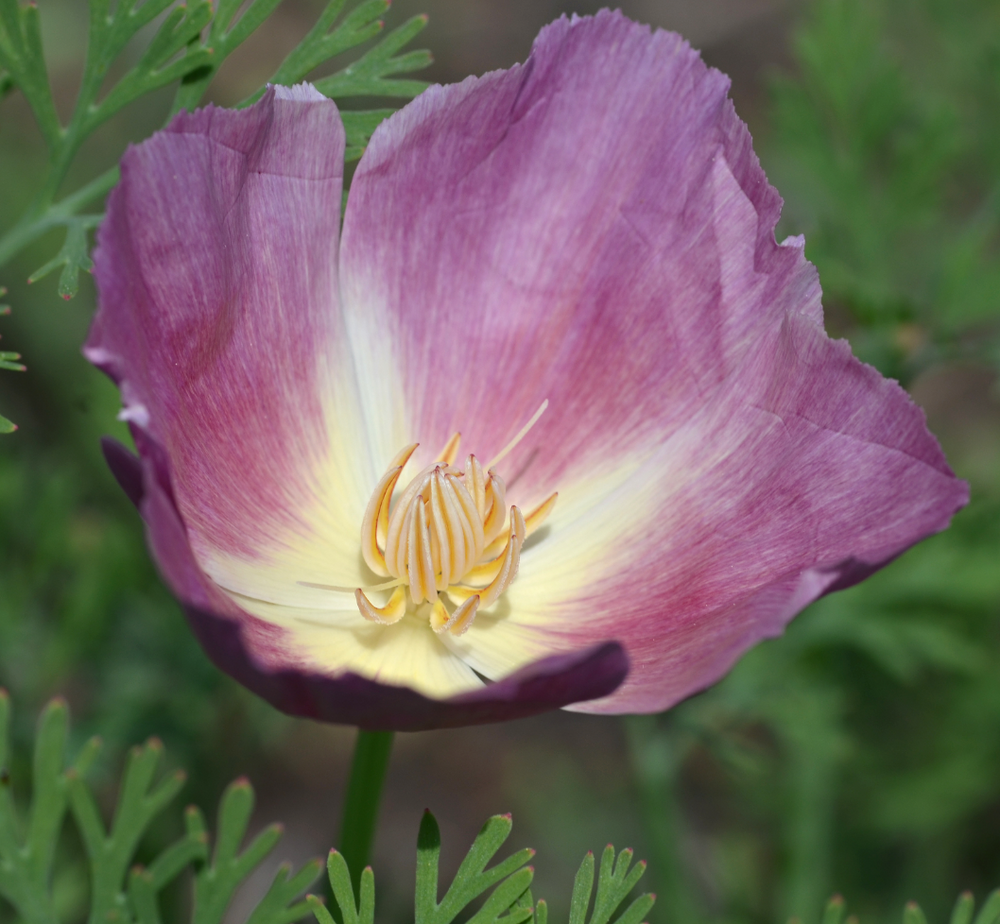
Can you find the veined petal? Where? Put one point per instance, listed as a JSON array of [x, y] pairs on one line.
[[591, 227], [594, 229], [219, 318], [804, 474], [409, 655]]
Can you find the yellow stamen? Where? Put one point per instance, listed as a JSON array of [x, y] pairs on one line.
[[458, 622], [521, 434], [540, 514], [377, 513], [475, 481], [443, 534], [401, 459], [450, 452], [496, 506], [340, 588], [392, 612], [508, 565], [531, 522], [419, 562]]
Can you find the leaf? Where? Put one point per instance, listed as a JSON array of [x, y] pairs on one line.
[[428, 855], [9, 361], [962, 912], [834, 911], [276, 908], [23, 65], [583, 886], [990, 912], [169, 56], [366, 76], [510, 877], [325, 40], [189, 45], [359, 126], [343, 891], [26, 865], [216, 883], [615, 880], [73, 256], [111, 852], [358, 26], [222, 39], [913, 914], [26, 861]]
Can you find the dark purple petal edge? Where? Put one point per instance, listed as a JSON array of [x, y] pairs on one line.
[[349, 699]]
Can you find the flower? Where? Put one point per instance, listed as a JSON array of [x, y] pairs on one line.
[[591, 229]]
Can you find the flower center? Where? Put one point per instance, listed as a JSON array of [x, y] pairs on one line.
[[450, 532]]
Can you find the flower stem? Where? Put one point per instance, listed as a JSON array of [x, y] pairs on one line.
[[364, 790], [656, 760]]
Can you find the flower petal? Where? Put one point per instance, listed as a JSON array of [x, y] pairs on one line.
[[805, 473], [594, 228], [220, 320], [559, 231], [273, 662]]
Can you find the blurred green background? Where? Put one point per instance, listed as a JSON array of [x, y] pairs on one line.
[[860, 753]]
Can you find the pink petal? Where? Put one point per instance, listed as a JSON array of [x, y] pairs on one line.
[[803, 475], [594, 228], [562, 230], [219, 319], [216, 270]]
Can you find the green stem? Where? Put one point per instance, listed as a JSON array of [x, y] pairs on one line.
[[364, 790], [36, 221], [811, 736], [656, 762]]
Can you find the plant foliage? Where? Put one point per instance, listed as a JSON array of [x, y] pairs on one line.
[[124, 892], [888, 153], [121, 891]]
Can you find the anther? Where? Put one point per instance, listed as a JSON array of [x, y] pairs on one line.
[[445, 533], [392, 612]]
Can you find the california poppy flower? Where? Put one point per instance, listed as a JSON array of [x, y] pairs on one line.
[[342, 468]]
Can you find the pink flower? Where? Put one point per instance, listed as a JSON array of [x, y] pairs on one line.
[[591, 229]]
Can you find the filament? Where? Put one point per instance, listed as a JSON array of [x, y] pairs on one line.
[[522, 433], [388, 585]]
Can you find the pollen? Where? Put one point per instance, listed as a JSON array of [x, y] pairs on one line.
[[448, 541]]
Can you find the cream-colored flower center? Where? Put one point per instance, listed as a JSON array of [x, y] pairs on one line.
[[449, 532]]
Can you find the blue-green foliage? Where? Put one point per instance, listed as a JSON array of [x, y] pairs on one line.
[[124, 892], [121, 890], [887, 148], [10, 362], [127, 892]]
